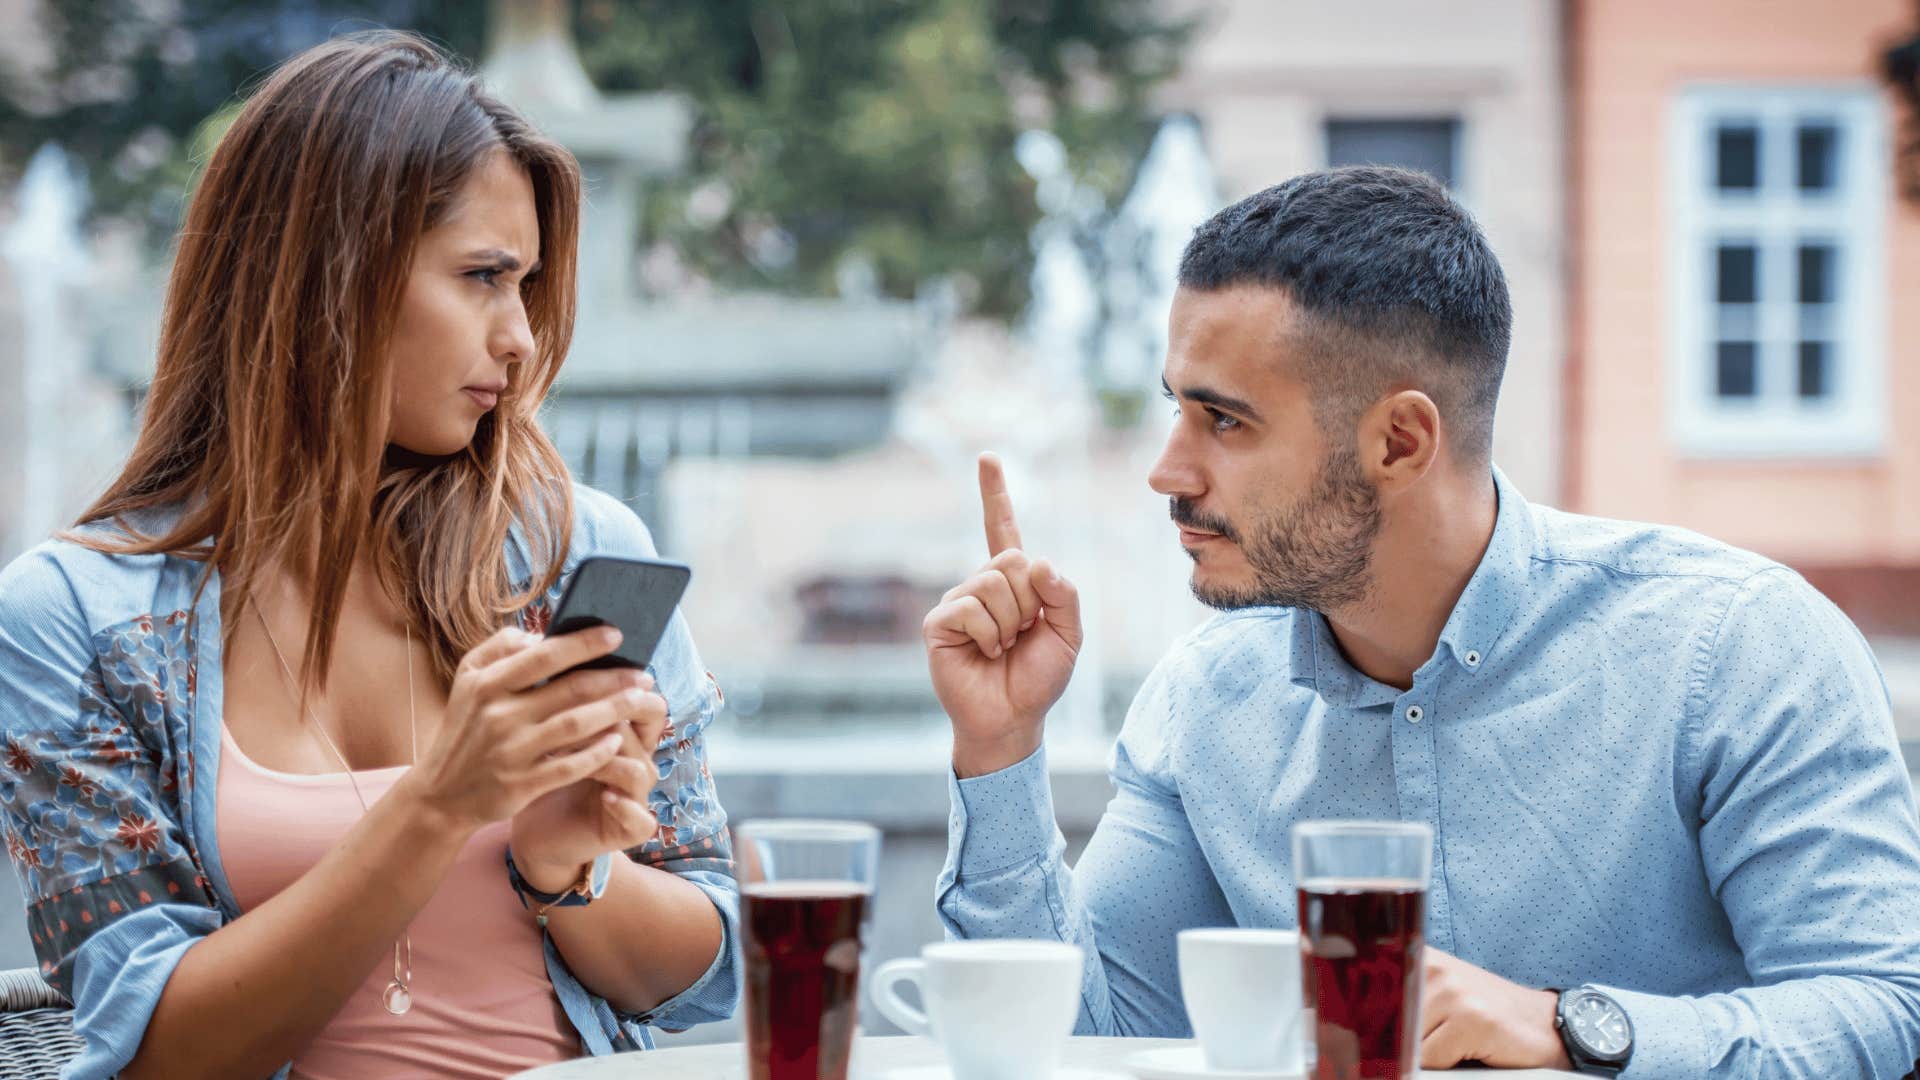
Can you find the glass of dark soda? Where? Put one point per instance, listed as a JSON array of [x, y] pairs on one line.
[[1362, 891], [805, 899]]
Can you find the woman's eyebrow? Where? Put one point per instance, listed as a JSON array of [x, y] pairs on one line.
[[502, 258]]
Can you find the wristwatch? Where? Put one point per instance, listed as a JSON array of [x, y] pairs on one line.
[[592, 883], [1595, 1030]]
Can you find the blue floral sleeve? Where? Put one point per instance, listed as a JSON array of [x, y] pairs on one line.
[[89, 801]]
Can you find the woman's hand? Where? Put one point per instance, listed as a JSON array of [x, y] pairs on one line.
[[507, 740], [560, 832]]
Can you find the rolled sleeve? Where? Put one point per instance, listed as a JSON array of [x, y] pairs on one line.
[[118, 976], [716, 993]]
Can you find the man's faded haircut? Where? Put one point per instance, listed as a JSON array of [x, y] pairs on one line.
[[1395, 284]]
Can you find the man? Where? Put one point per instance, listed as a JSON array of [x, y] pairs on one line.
[[1655, 766]]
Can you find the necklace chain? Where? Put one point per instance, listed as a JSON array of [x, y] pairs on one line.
[[399, 994]]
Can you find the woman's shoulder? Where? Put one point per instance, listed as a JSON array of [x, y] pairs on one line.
[[604, 525], [62, 582]]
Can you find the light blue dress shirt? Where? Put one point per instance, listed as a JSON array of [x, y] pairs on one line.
[[1652, 763]]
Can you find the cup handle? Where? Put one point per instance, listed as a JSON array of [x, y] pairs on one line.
[[905, 969]]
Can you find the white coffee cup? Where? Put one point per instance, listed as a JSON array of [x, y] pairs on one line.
[[1001, 1010], [1242, 989]]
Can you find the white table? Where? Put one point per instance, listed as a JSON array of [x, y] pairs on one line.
[[727, 1061]]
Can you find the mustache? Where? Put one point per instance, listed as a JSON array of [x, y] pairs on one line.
[[1185, 513]]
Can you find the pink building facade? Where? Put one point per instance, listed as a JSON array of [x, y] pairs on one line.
[[1744, 286]]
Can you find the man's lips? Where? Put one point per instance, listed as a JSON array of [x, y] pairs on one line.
[[1189, 537]]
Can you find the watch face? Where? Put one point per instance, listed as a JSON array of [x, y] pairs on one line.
[[1599, 1024]]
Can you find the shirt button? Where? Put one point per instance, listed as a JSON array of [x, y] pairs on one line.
[[1472, 658], [1415, 713]]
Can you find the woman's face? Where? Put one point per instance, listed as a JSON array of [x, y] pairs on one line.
[[463, 321]]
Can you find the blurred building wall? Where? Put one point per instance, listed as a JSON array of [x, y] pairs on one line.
[[1272, 81], [1835, 514]]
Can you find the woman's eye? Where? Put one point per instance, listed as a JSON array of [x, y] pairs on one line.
[[485, 275]]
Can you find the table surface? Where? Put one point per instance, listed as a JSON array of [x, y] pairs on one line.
[[727, 1061]]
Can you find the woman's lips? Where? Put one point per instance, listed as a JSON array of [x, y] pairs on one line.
[[486, 399]]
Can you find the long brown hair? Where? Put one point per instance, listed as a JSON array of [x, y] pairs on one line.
[[267, 418]]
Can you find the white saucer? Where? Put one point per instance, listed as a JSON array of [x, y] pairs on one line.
[[945, 1073], [1188, 1063]]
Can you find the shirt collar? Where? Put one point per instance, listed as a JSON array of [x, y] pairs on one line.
[[1493, 595], [1499, 586]]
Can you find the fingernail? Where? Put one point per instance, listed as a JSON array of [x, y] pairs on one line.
[[610, 635], [634, 698], [1028, 625]]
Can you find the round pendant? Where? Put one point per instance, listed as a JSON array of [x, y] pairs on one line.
[[397, 999]]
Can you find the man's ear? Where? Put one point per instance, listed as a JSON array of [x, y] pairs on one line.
[[1399, 439]]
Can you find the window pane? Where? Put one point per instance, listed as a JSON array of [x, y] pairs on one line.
[[1736, 157], [1816, 273], [1737, 274], [1813, 368], [1819, 146], [1735, 370], [1426, 145]]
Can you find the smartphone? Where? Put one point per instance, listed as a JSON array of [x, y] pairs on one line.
[[638, 596]]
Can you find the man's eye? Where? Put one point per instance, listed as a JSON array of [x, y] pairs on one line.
[[1221, 421]]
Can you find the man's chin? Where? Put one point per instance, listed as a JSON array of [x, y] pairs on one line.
[[1220, 595]]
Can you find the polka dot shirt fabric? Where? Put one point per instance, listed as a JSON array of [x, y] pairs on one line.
[[1652, 763]]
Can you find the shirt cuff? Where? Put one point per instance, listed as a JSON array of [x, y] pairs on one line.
[[1001, 819], [1668, 1037]]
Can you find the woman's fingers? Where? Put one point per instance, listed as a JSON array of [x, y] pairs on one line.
[[573, 766], [503, 643], [633, 823], [550, 657], [632, 777], [577, 689], [568, 731]]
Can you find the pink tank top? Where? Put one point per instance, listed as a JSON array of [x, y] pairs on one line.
[[483, 1005]]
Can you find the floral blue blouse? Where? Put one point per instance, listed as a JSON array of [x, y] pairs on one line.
[[110, 701]]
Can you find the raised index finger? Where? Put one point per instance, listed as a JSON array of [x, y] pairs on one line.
[[1003, 531]]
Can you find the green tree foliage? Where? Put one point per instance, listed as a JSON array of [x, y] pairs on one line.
[[872, 134]]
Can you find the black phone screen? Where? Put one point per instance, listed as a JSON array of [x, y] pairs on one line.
[[637, 595]]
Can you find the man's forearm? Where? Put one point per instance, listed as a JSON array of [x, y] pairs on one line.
[[1827, 1025]]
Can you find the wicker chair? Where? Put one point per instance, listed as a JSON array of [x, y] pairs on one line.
[[36, 1027]]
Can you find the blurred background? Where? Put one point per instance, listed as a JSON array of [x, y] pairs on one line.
[[835, 248]]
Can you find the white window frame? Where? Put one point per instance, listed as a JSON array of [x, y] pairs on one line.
[[1851, 420]]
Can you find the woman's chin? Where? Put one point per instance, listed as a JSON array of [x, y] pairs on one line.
[[426, 451]]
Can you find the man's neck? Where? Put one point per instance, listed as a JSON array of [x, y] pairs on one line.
[[1422, 560]]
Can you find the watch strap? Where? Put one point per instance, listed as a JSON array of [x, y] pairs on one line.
[[592, 883]]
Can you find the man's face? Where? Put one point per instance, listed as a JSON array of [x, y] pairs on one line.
[[1272, 510]]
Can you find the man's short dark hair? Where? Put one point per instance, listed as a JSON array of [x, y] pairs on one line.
[[1395, 280]]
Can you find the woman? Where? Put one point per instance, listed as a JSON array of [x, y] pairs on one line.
[[291, 781]]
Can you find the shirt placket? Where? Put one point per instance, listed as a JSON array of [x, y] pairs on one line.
[[1417, 783]]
